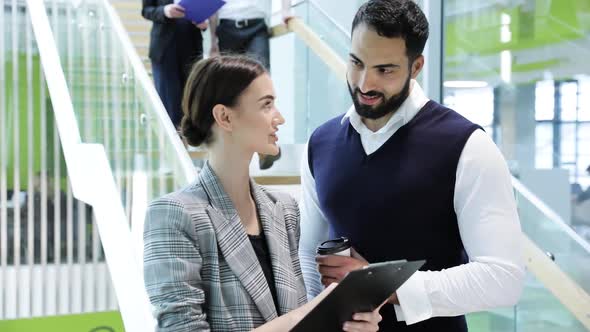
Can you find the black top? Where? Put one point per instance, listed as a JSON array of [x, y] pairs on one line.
[[261, 249]]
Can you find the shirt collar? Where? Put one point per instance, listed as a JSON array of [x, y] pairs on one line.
[[410, 107]]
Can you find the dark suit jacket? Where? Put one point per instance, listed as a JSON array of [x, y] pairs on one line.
[[163, 30]]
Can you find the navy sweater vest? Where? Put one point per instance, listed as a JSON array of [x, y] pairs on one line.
[[396, 203]]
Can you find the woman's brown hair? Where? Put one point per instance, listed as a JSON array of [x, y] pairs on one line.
[[212, 81]]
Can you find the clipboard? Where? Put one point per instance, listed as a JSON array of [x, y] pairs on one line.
[[200, 10], [360, 291]]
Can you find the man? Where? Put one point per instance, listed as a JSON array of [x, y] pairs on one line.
[[403, 177], [175, 43], [240, 26]]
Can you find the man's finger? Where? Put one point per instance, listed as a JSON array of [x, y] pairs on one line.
[[328, 281], [332, 260], [355, 254], [332, 272]]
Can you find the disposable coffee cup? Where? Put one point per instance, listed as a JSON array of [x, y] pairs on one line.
[[340, 247]]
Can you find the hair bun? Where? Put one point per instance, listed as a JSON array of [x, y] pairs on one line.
[[193, 134]]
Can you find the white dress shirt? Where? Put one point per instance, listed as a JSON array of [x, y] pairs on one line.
[[245, 9], [487, 219]]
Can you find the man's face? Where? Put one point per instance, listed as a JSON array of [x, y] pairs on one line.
[[379, 73]]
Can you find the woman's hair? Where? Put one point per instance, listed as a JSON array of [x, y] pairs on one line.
[[212, 81]]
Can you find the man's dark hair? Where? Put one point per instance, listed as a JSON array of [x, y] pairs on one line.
[[393, 19]]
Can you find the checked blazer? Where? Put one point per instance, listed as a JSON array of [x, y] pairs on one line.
[[200, 270]]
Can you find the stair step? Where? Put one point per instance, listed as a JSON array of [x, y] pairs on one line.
[[137, 29], [130, 15], [126, 5], [140, 39]]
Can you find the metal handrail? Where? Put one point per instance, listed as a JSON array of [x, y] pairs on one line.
[[92, 181], [140, 73], [549, 213], [322, 11]]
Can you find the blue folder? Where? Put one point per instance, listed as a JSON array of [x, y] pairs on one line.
[[200, 10]]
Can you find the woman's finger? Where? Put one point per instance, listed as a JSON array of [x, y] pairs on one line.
[[360, 327], [371, 317], [381, 305]]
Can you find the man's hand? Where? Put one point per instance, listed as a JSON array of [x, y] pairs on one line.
[[214, 50], [334, 268], [393, 299], [202, 26], [287, 15], [174, 11]]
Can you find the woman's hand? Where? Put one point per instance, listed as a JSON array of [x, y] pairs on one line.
[[306, 308], [364, 321]]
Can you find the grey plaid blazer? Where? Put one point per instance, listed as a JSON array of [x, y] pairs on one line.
[[200, 270]]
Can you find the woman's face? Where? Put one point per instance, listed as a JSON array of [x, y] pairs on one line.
[[256, 119]]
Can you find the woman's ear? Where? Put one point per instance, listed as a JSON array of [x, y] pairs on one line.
[[222, 117]]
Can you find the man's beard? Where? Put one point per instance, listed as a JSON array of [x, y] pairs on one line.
[[387, 106]]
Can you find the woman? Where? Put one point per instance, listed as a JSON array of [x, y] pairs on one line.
[[221, 254]]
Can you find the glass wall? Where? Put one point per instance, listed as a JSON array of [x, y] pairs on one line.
[[519, 70]]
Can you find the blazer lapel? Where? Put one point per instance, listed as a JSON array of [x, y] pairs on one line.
[[273, 224], [235, 245]]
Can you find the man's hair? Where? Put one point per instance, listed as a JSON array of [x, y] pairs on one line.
[[396, 19]]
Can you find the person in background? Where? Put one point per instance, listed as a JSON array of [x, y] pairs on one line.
[[241, 27], [581, 210], [222, 253], [404, 177], [584, 195], [175, 43]]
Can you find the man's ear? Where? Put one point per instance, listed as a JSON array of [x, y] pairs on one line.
[[417, 66], [222, 116]]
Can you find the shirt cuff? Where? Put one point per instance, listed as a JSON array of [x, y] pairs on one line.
[[413, 298], [399, 313]]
